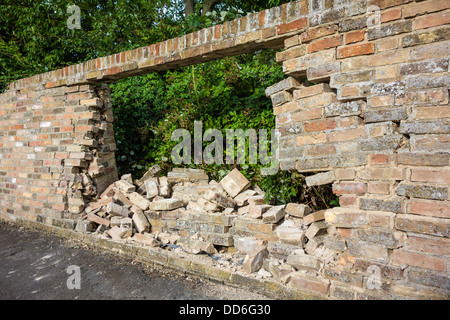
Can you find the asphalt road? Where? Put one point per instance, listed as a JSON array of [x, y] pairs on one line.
[[34, 265]]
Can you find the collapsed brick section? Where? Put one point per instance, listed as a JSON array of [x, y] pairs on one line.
[[366, 107]]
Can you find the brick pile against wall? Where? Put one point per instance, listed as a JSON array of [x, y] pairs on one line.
[[367, 107]]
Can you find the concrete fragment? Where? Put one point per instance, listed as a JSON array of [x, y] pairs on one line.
[[274, 214], [297, 210], [254, 260], [141, 223], [166, 204], [234, 183], [139, 201]]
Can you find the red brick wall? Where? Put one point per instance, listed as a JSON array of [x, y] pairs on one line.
[[368, 105], [50, 139]]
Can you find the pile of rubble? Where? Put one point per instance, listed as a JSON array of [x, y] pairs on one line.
[[128, 210]]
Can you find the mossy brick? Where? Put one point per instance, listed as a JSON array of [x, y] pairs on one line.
[[423, 191], [381, 205]]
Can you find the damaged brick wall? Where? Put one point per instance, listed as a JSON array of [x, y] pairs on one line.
[[365, 105]]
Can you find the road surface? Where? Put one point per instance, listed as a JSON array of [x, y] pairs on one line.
[[35, 265]]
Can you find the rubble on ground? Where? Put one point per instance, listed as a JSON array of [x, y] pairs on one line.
[[228, 221]]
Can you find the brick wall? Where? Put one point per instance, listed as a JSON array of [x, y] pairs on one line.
[[368, 105], [56, 150]]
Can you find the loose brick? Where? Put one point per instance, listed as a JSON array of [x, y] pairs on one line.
[[96, 219], [316, 229], [234, 183], [303, 261]]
